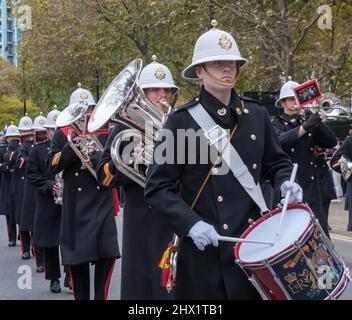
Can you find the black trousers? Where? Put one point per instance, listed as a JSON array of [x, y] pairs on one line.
[[25, 239], [11, 229], [52, 263], [38, 255], [326, 206], [102, 276]]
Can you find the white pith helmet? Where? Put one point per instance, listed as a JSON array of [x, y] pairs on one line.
[[81, 94], [214, 45], [51, 118], [39, 122], [25, 123], [156, 75], [286, 91], [12, 131]]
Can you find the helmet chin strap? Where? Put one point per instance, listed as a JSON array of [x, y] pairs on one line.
[[219, 81]]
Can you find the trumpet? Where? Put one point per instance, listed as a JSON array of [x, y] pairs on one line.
[[83, 144], [331, 108]]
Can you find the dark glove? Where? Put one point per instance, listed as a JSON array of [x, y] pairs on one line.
[[313, 121], [307, 113]]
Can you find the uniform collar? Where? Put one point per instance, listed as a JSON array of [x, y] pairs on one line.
[[226, 114], [294, 120]]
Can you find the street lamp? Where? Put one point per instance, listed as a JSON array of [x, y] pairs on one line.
[[24, 91], [97, 75], [211, 10]]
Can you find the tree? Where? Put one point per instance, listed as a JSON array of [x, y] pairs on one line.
[[11, 110], [7, 73], [71, 40]]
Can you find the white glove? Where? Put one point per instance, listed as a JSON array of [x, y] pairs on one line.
[[204, 234], [296, 192]]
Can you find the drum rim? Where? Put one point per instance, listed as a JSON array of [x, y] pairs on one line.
[[261, 220], [342, 285]]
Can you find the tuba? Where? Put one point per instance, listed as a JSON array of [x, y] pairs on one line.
[[124, 102], [75, 116]]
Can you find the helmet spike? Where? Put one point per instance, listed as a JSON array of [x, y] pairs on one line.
[[214, 23]]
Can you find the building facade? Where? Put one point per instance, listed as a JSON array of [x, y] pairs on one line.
[[9, 33]]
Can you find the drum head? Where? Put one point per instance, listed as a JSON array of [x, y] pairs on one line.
[[296, 221]]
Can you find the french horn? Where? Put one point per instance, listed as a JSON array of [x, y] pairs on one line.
[[75, 116]]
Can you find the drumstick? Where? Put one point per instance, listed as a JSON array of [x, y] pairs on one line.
[[230, 239], [292, 179]]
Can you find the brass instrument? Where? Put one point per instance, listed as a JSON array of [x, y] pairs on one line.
[[83, 144], [331, 108], [346, 168], [59, 195], [124, 101]]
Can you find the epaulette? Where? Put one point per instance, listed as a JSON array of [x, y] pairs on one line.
[[191, 103], [247, 99]]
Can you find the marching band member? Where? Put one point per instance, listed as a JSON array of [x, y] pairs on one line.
[[298, 135], [47, 218], [3, 148], [12, 135], [223, 205], [88, 232], [145, 235], [326, 183], [18, 180], [346, 151], [28, 203]]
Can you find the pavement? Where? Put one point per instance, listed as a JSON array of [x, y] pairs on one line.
[[14, 286]]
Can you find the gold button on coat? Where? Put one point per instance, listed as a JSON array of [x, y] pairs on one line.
[[222, 111]]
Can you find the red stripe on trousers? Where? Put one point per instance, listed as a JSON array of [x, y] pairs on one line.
[[72, 283], [107, 283], [115, 197]]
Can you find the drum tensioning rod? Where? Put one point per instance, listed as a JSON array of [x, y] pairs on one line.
[[231, 239], [282, 216]]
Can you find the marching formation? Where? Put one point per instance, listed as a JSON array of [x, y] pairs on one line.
[[196, 222]]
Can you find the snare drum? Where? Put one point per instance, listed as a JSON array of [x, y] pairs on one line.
[[302, 264]]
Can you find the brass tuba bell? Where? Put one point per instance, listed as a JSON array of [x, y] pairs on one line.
[[124, 101]]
